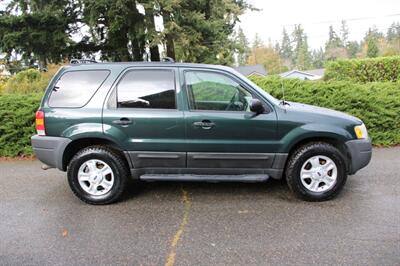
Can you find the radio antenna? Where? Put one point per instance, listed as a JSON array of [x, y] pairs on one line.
[[281, 79]]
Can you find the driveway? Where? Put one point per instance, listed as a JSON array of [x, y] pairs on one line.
[[42, 223]]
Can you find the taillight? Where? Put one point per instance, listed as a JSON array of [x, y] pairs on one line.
[[40, 123]]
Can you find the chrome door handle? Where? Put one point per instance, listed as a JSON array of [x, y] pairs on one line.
[[122, 121], [205, 124]]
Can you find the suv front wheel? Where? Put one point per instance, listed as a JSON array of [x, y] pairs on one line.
[[316, 171], [98, 175]]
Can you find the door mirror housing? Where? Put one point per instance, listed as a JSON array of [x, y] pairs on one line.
[[256, 106]]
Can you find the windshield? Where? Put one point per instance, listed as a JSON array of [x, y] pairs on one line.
[[256, 87]]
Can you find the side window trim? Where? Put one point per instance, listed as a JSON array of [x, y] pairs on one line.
[[232, 77], [112, 101], [54, 85]]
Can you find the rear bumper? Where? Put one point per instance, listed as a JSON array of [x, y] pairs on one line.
[[360, 151], [50, 150]]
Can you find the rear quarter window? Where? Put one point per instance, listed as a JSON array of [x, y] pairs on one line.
[[75, 88]]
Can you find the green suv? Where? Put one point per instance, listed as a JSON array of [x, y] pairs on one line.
[[105, 123]]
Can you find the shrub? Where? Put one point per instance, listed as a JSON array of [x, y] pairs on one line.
[[377, 104], [17, 118], [364, 70], [29, 81], [3, 81]]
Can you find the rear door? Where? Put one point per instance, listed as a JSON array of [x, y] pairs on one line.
[[221, 130], [143, 115]]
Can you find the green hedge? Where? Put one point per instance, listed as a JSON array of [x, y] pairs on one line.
[[17, 118], [376, 103], [364, 70]]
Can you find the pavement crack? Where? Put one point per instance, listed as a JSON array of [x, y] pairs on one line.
[[178, 235]]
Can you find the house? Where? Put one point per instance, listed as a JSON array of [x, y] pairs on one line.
[[312, 74], [256, 70]]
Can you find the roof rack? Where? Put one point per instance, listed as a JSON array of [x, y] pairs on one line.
[[167, 59], [82, 61]]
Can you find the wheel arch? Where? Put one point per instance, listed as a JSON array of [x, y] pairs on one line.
[[334, 141], [77, 144]]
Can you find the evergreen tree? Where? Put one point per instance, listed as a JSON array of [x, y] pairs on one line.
[[38, 30], [334, 47], [302, 56], [286, 50], [333, 41], [372, 48], [242, 46], [318, 58], [257, 43], [353, 48], [344, 33]]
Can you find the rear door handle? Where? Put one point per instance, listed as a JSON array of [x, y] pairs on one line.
[[205, 124], [122, 121]]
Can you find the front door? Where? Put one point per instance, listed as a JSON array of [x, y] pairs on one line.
[[221, 131], [142, 115]]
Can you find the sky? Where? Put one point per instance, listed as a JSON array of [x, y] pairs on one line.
[[316, 16]]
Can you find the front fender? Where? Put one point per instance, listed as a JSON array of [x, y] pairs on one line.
[[312, 131]]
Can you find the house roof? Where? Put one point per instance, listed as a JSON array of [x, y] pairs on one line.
[[317, 72], [251, 70], [309, 74]]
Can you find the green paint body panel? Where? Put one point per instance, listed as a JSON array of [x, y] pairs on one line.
[[275, 131]]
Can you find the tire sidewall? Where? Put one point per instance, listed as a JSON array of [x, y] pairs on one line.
[[73, 170]]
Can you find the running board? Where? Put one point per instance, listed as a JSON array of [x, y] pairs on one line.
[[205, 178]]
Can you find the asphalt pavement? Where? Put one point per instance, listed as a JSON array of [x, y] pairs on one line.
[[43, 223]]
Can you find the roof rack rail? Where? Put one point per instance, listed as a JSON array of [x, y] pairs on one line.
[[82, 61], [167, 59]]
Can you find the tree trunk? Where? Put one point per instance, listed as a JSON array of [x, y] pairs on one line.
[[151, 27], [169, 41]]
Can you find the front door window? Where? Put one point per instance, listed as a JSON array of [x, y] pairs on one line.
[[216, 92]]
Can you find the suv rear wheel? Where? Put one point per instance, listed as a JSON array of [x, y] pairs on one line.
[[316, 171], [98, 175]]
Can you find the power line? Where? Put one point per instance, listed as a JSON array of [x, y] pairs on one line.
[[348, 19]]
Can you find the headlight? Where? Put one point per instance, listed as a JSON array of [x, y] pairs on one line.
[[361, 131]]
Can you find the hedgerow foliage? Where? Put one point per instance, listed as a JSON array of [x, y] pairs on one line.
[[17, 118], [376, 103], [28, 81], [364, 70]]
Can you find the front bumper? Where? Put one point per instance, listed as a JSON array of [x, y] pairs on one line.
[[50, 150], [360, 151]]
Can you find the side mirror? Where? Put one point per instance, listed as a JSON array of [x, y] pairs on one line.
[[256, 106]]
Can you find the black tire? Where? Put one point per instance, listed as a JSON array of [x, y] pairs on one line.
[[300, 156], [116, 162]]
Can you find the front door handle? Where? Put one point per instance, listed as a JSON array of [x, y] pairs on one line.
[[122, 121], [205, 124]]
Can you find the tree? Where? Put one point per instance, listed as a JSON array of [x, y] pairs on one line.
[[286, 49], [334, 47], [318, 58], [372, 48], [344, 33], [257, 43], [302, 56], [353, 48], [38, 30], [203, 29], [371, 42], [242, 47], [268, 57]]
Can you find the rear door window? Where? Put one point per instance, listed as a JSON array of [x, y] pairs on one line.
[[153, 89], [75, 88]]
